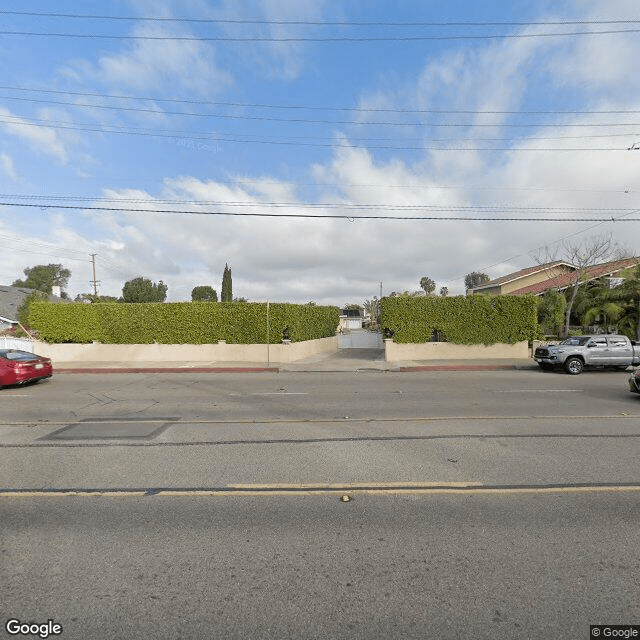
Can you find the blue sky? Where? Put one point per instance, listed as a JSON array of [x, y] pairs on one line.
[[135, 138]]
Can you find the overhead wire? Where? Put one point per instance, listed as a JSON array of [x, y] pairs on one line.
[[302, 140], [314, 22], [263, 214], [358, 109], [235, 116], [341, 39]]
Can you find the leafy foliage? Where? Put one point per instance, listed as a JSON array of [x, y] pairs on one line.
[[44, 277], [143, 290], [461, 320], [23, 310], [226, 294], [204, 293], [551, 308], [428, 285], [181, 322], [475, 279]]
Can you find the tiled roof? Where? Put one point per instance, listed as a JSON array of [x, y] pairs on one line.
[[566, 279], [521, 274]]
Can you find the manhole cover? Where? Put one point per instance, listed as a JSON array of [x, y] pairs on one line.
[[112, 428]]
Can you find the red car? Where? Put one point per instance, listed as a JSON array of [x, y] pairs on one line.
[[18, 367]]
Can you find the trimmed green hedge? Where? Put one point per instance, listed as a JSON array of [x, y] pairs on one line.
[[181, 322], [477, 319]]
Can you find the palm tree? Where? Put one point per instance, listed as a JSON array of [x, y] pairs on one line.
[[628, 296]]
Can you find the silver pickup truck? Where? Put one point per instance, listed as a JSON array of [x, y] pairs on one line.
[[574, 354]]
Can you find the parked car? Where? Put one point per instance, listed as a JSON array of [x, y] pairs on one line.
[[574, 354], [18, 367]]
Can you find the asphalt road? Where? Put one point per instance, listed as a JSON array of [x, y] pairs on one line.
[[499, 504]]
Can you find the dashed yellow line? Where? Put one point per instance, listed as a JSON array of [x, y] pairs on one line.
[[350, 489]]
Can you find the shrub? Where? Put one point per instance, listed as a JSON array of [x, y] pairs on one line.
[[473, 319], [181, 322]]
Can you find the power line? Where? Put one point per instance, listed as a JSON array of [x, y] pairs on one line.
[[229, 116], [247, 138], [330, 145], [165, 38], [324, 215], [317, 205], [314, 205], [314, 107], [314, 22]]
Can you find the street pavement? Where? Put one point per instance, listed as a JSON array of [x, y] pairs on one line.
[[493, 505]]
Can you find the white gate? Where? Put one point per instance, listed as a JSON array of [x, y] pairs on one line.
[[362, 339], [16, 343]]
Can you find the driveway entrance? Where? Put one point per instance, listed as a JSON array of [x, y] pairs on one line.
[[360, 339]]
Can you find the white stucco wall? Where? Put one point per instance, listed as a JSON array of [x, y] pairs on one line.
[[447, 351], [195, 353]]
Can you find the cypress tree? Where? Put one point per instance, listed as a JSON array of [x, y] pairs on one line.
[[226, 294]]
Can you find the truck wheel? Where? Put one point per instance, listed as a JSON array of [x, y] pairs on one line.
[[574, 366]]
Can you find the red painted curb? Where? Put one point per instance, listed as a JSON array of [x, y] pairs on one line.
[[170, 370]]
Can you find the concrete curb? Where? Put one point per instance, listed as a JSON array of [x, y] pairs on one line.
[[386, 368], [166, 370], [466, 367]]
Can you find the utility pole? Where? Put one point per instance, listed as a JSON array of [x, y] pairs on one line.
[[94, 282]]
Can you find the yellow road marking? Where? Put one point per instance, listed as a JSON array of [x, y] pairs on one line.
[[399, 488]]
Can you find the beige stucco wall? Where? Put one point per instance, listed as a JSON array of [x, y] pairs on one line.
[[193, 353], [447, 351]]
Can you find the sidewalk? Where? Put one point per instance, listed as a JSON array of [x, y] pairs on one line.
[[354, 360]]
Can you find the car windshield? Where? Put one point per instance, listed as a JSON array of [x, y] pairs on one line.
[[579, 341], [12, 354]]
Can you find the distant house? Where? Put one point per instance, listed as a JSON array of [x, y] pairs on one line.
[[7, 323], [553, 275], [350, 319], [10, 300]]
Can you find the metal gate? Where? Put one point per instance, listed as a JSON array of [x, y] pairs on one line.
[[361, 339]]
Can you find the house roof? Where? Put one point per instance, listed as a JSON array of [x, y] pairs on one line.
[[12, 297], [351, 313], [566, 279], [521, 274]]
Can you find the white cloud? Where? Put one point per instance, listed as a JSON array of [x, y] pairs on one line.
[[42, 138], [8, 169], [160, 64], [276, 59]]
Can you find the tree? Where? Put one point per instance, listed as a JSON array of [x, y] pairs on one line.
[[204, 293], [22, 312], [88, 298], [372, 307], [551, 308], [582, 256], [475, 279], [444, 291], [627, 297], [44, 277], [143, 290], [428, 285], [226, 294]]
